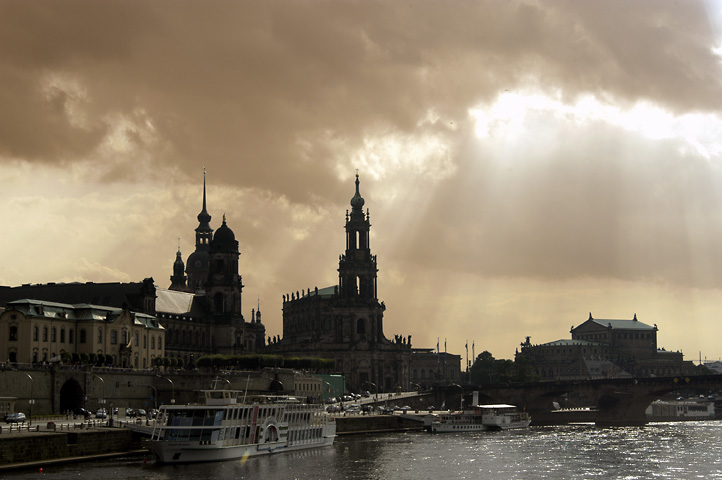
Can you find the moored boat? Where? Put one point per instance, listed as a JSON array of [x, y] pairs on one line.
[[224, 429], [480, 418]]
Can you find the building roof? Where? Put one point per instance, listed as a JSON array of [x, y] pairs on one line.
[[114, 294], [633, 324], [77, 312], [173, 302], [323, 292], [623, 324]]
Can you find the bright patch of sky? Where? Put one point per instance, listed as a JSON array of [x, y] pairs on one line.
[[506, 117]]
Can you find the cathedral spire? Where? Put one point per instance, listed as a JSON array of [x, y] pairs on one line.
[[204, 218], [178, 279], [197, 264], [357, 267], [357, 202]]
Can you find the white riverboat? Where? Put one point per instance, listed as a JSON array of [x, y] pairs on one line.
[[224, 429], [480, 418], [689, 409]]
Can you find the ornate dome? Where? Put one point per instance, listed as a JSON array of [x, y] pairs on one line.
[[224, 236], [357, 202], [197, 262]]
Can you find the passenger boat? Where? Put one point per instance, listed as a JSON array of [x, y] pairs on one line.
[[689, 409], [224, 428], [479, 418]]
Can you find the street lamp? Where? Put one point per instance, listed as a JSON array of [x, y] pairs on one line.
[[376, 389], [30, 404], [172, 385], [101, 400], [155, 396]]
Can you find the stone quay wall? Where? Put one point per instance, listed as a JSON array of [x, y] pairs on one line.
[[38, 447], [42, 391]]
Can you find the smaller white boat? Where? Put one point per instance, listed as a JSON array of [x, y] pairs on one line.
[[480, 418]]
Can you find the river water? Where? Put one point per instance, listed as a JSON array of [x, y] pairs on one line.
[[685, 450]]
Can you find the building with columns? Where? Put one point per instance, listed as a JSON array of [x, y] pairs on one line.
[[604, 348]]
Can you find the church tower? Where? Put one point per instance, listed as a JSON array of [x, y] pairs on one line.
[[178, 279], [357, 268], [197, 264], [223, 292], [224, 285]]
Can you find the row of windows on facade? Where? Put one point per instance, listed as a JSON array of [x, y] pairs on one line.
[[46, 357], [308, 324], [619, 336], [662, 371], [13, 336], [546, 351], [432, 374], [185, 337]]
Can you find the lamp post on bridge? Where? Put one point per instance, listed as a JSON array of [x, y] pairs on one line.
[[172, 385], [30, 403]]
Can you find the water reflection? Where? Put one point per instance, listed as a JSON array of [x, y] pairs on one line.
[[657, 451]]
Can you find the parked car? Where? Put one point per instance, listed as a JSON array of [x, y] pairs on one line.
[[129, 412], [140, 413], [18, 417], [101, 413], [81, 412]]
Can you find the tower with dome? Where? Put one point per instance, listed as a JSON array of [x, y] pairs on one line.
[[344, 322]]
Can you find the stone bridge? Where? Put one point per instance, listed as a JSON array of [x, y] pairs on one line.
[[620, 401]]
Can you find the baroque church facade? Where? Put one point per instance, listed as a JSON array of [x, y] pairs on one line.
[[344, 322], [202, 308]]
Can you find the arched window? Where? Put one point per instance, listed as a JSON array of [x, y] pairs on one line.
[[218, 303], [152, 343], [137, 342], [45, 334], [13, 333], [361, 326], [36, 333]]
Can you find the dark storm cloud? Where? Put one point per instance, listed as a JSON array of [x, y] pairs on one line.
[[242, 84]]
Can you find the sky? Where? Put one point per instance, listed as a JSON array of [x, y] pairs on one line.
[[525, 163]]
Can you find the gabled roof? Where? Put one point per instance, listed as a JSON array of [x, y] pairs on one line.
[[633, 324]]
